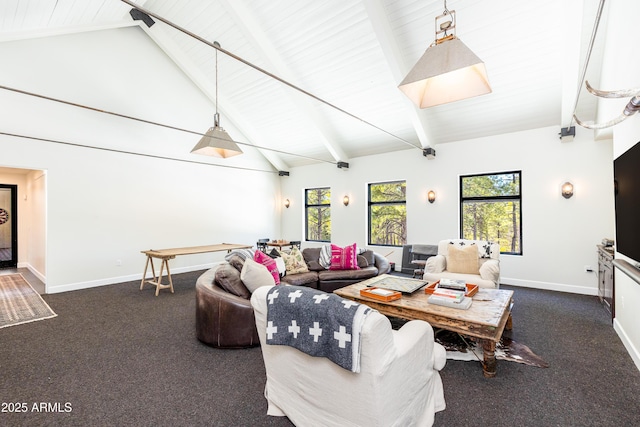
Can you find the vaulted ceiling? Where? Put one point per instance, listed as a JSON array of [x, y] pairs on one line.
[[338, 64]]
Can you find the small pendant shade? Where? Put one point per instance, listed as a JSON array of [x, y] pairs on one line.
[[217, 143]]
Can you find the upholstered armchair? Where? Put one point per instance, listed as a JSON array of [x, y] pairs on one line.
[[474, 261], [398, 383]]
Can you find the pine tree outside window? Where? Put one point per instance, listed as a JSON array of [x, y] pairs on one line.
[[491, 209], [318, 214], [388, 213]]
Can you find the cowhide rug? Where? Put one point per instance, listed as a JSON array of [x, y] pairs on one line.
[[506, 349], [469, 350]]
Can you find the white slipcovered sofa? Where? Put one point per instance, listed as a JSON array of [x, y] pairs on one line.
[[474, 261], [398, 383]]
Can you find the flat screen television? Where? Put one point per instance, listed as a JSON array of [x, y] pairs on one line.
[[626, 172]]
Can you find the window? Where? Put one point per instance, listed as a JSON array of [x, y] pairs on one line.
[[317, 206], [491, 209], [388, 213]]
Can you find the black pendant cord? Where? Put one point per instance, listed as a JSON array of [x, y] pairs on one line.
[[265, 72]]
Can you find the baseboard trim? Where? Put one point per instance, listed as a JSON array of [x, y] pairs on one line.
[[120, 279], [36, 273], [559, 287], [633, 352]]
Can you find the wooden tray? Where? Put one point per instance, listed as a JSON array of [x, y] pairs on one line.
[[392, 296], [471, 289]]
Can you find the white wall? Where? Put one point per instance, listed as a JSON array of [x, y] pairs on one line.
[[103, 207], [36, 201], [559, 235], [620, 71]]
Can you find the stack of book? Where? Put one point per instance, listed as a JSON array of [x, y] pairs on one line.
[[450, 293]]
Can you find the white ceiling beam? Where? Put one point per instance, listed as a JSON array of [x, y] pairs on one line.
[[247, 23], [164, 41], [378, 19], [51, 32]]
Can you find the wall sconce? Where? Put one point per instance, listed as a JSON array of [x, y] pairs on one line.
[[345, 200], [567, 190], [431, 196], [287, 203]]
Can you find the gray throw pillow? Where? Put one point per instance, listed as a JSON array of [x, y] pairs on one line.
[[368, 255], [237, 262], [362, 262], [228, 278]]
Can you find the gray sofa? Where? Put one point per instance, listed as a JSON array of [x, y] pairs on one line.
[[371, 264]]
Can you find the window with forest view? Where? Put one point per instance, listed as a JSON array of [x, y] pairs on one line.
[[490, 209], [388, 213], [318, 214]]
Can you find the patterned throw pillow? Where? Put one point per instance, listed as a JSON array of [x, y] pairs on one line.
[[344, 258], [294, 261], [242, 253], [485, 249], [325, 256], [264, 259]]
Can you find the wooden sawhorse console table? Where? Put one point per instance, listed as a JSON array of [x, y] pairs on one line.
[[166, 254]]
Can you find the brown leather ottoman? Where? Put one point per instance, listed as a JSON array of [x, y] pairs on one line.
[[223, 319]]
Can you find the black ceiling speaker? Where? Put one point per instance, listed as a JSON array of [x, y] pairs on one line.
[[429, 153], [141, 16]]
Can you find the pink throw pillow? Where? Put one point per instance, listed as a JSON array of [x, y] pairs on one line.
[[261, 258], [344, 258]]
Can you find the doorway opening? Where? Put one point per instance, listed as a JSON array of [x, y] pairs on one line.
[[8, 226]]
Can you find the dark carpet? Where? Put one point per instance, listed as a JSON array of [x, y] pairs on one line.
[[118, 356]]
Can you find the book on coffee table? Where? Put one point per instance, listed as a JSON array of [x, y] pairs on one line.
[[471, 289], [457, 285], [463, 304], [380, 294]]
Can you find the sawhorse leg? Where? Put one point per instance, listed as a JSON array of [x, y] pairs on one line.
[[144, 275], [159, 285], [157, 280]]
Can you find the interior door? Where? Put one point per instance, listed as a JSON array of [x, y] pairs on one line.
[[8, 226]]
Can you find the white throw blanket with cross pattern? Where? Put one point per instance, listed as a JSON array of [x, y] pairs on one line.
[[316, 323]]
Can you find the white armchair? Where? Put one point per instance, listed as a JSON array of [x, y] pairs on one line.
[[398, 383], [474, 261]]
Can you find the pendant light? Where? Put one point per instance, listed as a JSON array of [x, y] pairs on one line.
[[448, 70], [217, 142]]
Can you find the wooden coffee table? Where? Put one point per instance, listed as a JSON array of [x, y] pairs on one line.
[[486, 319]]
